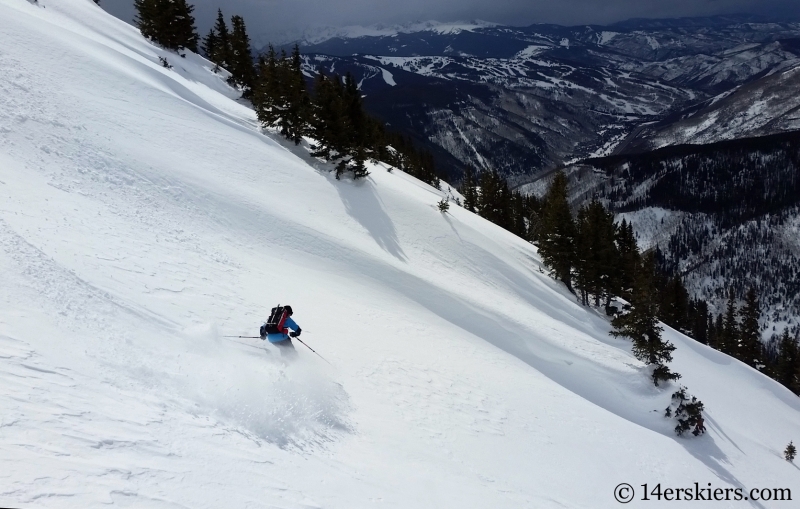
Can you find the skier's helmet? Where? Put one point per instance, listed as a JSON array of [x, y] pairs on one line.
[[288, 310]]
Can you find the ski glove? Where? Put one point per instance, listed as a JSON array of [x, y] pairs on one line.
[[296, 333]]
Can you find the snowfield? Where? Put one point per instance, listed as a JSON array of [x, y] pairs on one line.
[[144, 216]]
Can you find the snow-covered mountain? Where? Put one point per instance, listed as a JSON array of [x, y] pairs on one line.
[[765, 106], [144, 217], [319, 35], [517, 115], [524, 100]]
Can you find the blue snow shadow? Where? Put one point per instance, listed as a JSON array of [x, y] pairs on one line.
[[363, 204]]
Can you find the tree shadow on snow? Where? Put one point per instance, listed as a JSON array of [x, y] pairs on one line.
[[550, 361], [706, 450], [363, 204], [360, 199]]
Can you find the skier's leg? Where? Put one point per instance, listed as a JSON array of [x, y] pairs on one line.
[[287, 348]]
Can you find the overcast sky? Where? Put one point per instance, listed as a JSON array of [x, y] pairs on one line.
[[273, 19]]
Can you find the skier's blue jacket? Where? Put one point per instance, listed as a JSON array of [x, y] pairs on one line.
[[283, 336]]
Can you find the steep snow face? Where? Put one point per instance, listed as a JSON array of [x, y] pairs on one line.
[[144, 218]]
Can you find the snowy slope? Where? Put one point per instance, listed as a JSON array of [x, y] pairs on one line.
[[144, 216]]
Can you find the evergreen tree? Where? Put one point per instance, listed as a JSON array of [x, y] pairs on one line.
[[796, 386], [209, 44], [267, 92], [335, 117], [149, 17], [711, 331], [675, 304], [423, 168], [182, 33], [357, 140], [294, 96], [640, 324], [241, 64], [688, 413], [719, 332], [729, 339], [787, 365], [790, 452], [751, 348], [608, 284], [557, 231], [629, 258], [469, 190], [699, 320], [493, 200], [521, 209], [596, 255], [222, 53], [584, 276], [168, 23], [327, 118]]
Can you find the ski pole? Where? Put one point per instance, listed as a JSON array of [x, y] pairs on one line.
[[305, 345], [246, 337]]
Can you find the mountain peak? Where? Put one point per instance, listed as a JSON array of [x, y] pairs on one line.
[[321, 34]]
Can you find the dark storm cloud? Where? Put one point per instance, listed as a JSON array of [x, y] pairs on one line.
[[271, 18]]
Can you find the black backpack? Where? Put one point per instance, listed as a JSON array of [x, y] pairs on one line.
[[276, 319]]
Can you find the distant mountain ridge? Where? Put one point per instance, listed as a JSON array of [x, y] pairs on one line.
[[524, 100], [322, 34]]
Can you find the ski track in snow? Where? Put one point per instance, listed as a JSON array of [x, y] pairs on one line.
[[144, 217]]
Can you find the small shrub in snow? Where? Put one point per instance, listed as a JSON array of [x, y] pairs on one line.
[[444, 205], [688, 412], [662, 373], [790, 452], [165, 63]]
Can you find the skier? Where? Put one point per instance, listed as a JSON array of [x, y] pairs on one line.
[[276, 330]]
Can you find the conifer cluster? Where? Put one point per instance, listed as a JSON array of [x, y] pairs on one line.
[[598, 258], [333, 115], [733, 204], [590, 254], [168, 23], [489, 196], [230, 49], [736, 331]]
